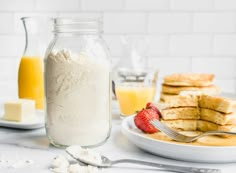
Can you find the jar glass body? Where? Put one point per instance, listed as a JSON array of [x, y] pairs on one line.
[[78, 89]]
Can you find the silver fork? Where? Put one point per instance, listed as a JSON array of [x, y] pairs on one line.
[[183, 138]]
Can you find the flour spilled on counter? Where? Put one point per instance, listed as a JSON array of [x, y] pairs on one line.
[[87, 155], [61, 165], [15, 164], [76, 168]]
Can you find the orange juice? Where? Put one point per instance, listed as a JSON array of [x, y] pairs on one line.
[[30, 80], [132, 99]]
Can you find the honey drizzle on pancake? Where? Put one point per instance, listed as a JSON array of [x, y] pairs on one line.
[[204, 141]]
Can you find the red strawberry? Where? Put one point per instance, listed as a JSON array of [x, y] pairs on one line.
[[142, 119], [152, 106]]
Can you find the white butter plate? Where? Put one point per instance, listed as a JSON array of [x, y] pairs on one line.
[[206, 154], [38, 122]]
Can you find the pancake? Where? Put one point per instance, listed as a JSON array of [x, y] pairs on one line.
[[217, 117], [198, 125], [204, 126], [189, 79], [185, 113], [185, 125], [181, 100], [211, 89], [164, 96], [220, 104]]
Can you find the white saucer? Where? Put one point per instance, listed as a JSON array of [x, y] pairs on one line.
[[34, 124]]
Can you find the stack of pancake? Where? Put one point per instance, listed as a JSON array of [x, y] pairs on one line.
[[181, 112], [200, 113], [177, 83]]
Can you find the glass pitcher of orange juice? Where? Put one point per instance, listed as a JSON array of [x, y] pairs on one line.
[[134, 88], [30, 74]]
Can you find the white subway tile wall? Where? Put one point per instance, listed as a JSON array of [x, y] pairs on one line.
[[125, 23], [191, 5], [167, 22], [183, 35], [214, 22]]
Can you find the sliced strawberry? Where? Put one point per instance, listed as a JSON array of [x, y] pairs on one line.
[[142, 120], [152, 106]]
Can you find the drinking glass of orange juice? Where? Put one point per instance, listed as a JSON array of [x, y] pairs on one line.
[[134, 89], [31, 70]]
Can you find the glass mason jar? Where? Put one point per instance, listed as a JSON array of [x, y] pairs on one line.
[[77, 84]]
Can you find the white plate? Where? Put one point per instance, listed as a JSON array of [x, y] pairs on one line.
[[37, 123], [209, 154]]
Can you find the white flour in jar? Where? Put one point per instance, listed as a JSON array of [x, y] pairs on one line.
[[78, 99]]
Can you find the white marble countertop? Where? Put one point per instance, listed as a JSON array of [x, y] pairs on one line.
[[33, 145]]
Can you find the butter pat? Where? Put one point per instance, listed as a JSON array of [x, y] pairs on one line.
[[19, 110]]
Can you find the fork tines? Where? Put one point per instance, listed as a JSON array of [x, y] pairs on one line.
[[165, 129]]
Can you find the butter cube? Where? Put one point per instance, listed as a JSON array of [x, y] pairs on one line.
[[19, 110]]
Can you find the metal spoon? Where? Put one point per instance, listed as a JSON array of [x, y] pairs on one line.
[[106, 163]]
